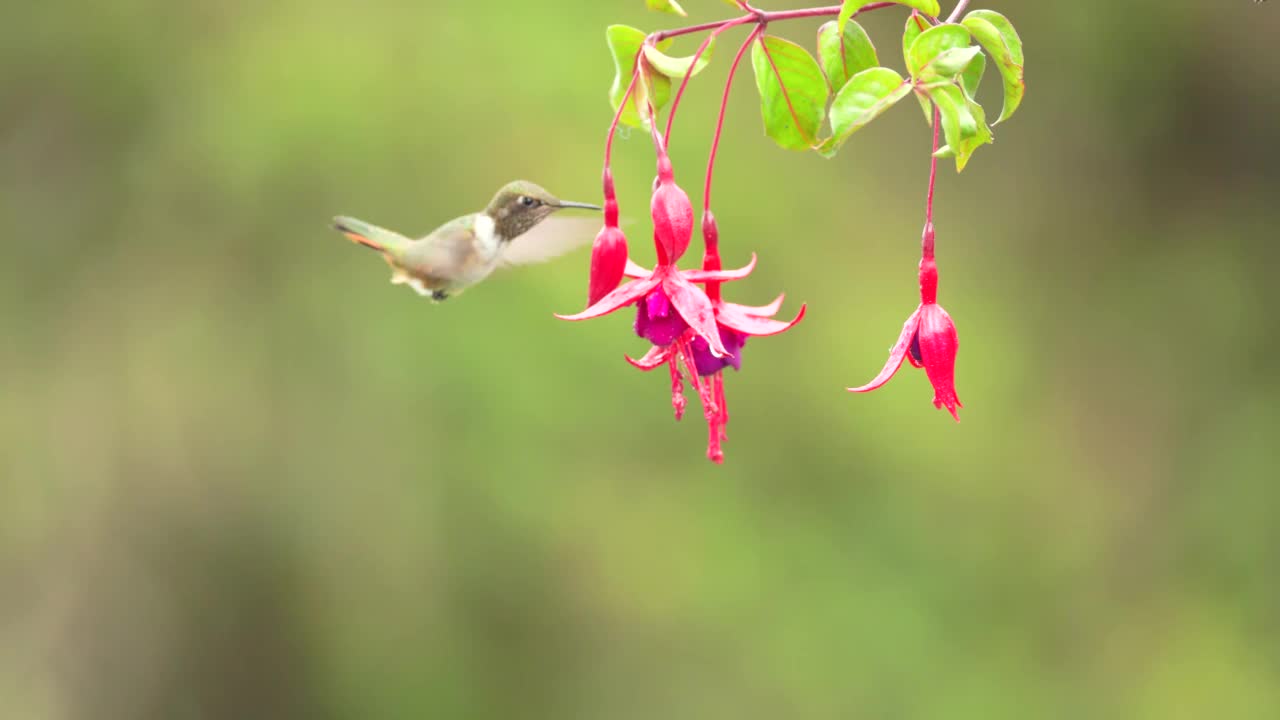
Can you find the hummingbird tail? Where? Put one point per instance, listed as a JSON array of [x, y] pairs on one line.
[[371, 236]]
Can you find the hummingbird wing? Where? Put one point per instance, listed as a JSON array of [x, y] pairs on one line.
[[550, 238]]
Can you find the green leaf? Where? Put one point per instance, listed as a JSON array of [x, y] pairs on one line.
[[949, 63], [844, 56], [666, 6], [970, 144], [860, 101], [651, 87], [996, 34], [850, 8], [1005, 27], [793, 91], [933, 42], [963, 122], [928, 7], [916, 24], [677, 67], [972, 75]]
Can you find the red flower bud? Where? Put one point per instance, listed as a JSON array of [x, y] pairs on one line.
[[672, 221], [609, 252], [608, 262]]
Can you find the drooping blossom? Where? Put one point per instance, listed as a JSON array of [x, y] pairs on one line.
[[690, 354], [928, 339], [672, 229]]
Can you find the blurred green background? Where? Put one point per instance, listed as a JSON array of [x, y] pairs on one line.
[[242, 476]]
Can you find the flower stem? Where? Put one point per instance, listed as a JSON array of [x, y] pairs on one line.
[[684, 83], [955, 14], [724, 106], [927, 243], [617, 116]]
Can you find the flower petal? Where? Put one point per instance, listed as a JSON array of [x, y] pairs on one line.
[[620, 297], [652, 360], [695, 307], [896, 354], [608, 261], [632, 270], [720, 275], [672, 220], [762, 310], [938, 346], [733, 317]]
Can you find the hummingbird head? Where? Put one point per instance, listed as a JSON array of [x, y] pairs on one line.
[[521, 205]]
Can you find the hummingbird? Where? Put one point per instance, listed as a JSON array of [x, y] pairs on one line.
[[516, 228]]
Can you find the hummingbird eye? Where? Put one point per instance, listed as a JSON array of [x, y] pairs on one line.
[[528, 202]]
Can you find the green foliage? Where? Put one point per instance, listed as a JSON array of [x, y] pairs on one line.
[[934, 42], [963, 123], [793, 92], [948, 64], [916, 24], [944, 67], [846, 54], [865, 97], [972, 75], [677, 68], [996, 34], [850, 7], [666, 6], [651, 87]]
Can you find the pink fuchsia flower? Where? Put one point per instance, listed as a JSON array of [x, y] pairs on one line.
[[609, 251], [928, 340], [690, 355], [687, 353], [667, 288]]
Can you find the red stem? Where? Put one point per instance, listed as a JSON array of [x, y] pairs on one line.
[[724, 105], [761, 17], [675, 103], [617, 116], [955, 14], [927, 245]]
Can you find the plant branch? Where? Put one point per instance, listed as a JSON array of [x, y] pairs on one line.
[[724, 105], [684, 83], [763, 17], [955, 14], [927, 246]]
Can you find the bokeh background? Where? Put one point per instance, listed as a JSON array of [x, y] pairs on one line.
[[242, 476]]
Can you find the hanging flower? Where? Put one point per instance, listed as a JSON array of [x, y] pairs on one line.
[[928, 339], [685, 352]]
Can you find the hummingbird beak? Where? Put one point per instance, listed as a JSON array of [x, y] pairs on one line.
[[583, 206]]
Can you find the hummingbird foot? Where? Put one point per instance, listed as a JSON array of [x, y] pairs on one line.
[[439, 295]]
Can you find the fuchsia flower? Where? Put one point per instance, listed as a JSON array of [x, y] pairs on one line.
[[667, 288], [928, 339], [677, 346]]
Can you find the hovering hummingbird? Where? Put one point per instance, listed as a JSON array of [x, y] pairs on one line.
[[513, 230]]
